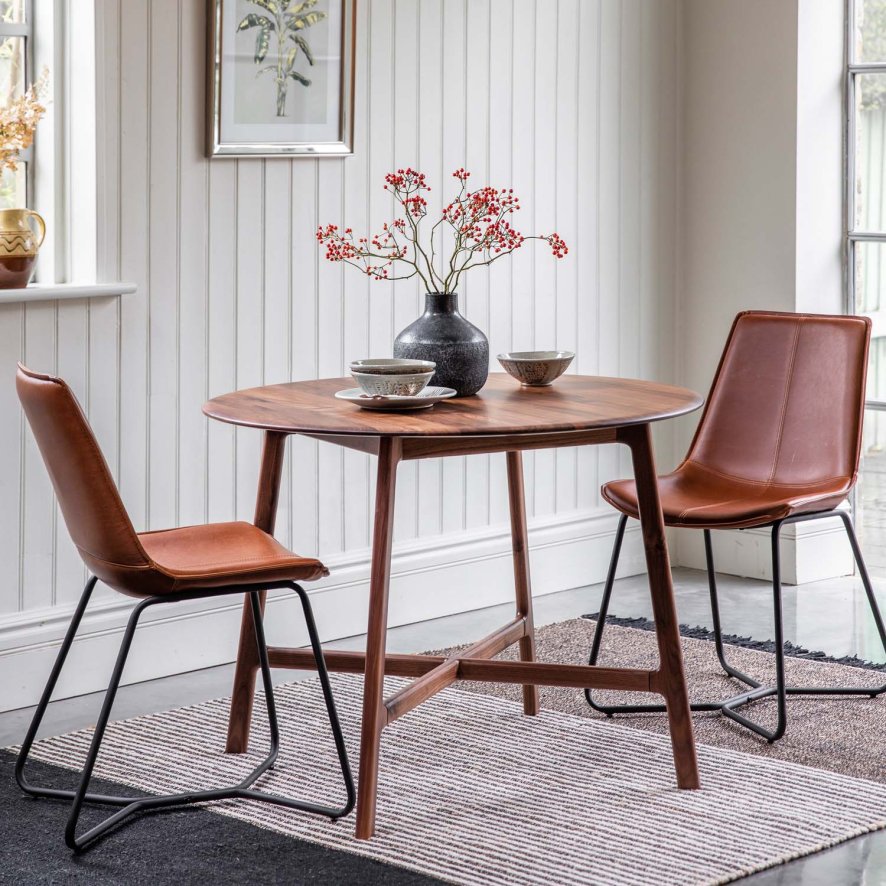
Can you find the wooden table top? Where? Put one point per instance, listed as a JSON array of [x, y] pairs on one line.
[[572, 403]]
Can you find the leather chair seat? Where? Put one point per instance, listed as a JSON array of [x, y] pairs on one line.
[[218, 554], [695, 496]]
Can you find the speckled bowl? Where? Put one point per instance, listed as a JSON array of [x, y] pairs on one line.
[[536, 369], [391, 366], [403, 384]]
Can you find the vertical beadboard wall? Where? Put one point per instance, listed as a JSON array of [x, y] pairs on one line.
[[571, 102]]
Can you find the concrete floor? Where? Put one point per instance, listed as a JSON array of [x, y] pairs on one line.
[[831, 616]]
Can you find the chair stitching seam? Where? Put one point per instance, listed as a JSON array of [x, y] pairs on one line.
[[272, 565], [148, 566], [117, 503], [765, 483], [730, 346], [181, 579], [784, 405]]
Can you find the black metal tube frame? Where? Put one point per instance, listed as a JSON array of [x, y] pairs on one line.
[[243, 789], [756, 690]]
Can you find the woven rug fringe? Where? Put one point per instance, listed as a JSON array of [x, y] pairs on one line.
[[700, 633]]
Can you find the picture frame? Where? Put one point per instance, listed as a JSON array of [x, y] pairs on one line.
[[280, 78]]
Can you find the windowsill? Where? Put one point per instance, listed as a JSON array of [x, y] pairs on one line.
[[58, 291]]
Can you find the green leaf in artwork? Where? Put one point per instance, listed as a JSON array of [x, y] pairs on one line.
[[255, 21], [290, 58], [262, 44], [270, 5], [308, 19], [296, 76], [295, 7], [305, 48]]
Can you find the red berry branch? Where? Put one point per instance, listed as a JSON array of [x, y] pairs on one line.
[[479, 222]]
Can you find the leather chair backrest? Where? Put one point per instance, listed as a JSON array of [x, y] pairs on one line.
[[89, 500], [787, 403]]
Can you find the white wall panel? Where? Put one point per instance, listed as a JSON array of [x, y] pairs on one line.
[[454, 133], [566, 214], [12, 319], [612, 170], [571, 102]]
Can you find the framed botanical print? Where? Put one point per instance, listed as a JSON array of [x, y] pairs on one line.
[[280, 77]]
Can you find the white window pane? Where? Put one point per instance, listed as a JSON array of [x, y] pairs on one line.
[[13, 71], [12, 11], [870, 277], [877, 371], [13, 188], [870, 299], [870, 30], [870, 152], [870, 498]]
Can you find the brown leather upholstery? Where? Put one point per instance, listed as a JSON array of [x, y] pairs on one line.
[[211, 555], [189, 558], [781, 431]]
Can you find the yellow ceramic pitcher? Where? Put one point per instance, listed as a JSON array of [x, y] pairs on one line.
[[21, 235]]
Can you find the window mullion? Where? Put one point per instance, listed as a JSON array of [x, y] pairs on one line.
[[850, 33], [8, 29]]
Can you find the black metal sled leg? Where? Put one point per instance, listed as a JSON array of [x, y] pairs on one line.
[[715, 617], [610, 710], [604, 608], [756, 690], [31, 734], [780, 690], [869, 591], [728, 707], [132, 805], [333, 812]]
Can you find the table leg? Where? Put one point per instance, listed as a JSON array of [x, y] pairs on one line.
[[243, 692], [374, 711], [667, 630], [520, 545]]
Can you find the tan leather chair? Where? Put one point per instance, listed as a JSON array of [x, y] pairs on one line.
[[778, 442], [156, 567]]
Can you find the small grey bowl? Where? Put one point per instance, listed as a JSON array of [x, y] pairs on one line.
[[404, 384], [391, 366], [536, 369]]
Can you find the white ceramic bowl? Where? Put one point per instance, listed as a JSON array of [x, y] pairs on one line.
[[403, 384], [536, 368], [391, 366]]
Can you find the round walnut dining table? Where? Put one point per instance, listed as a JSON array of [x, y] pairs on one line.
[[504, 417]]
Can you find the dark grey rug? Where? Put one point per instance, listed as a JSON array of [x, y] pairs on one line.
[[179, 847]]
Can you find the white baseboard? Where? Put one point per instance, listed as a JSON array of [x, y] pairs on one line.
[[809, 551], [430, 578]]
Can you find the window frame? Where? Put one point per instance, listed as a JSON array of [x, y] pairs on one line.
[[854, 235], [26, 30], [61, 172]]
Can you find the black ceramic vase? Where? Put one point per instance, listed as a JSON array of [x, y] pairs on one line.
[[443, 335]]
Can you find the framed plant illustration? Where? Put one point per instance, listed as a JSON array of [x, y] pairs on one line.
[[280, 77]]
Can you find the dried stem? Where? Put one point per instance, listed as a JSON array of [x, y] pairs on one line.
[[479, 221]]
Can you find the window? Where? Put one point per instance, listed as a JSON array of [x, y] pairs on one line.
[[16, 73], [57, 177], [866, 249]]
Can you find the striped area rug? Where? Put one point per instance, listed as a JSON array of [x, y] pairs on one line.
[[841, 733], [473, 792]]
